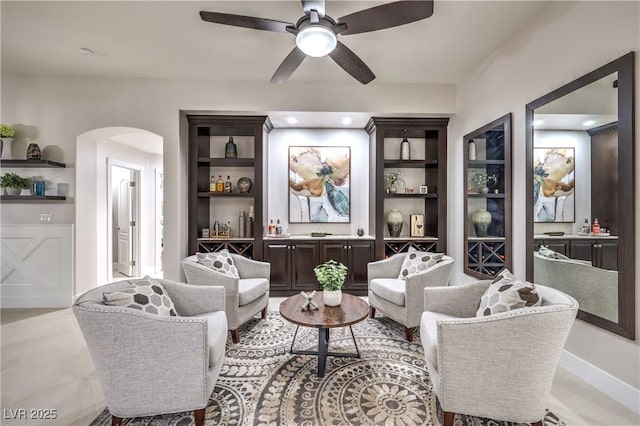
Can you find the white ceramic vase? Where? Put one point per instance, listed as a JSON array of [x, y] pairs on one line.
[[481, 220], [332, 297], [394, 222], [12, 191], [6, 149]]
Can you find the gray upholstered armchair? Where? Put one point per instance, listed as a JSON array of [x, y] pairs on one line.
[[150, 364], [499, 366], [244, 296], [401, 300]]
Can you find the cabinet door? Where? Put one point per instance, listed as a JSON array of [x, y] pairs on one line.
[[608, 254], [278, 255], [334, 250], [582, 250], [304, 257], [360, 254]]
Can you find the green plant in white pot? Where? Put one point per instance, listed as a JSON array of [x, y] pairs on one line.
[[13, 183], [331, 276], [7, 133]]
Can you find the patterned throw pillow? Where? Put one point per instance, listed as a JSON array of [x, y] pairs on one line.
[[416, 262], [548, 253], [146, 295], [506, 293], [220, 261]]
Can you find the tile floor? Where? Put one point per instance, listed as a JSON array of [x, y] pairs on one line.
[[45, 364]]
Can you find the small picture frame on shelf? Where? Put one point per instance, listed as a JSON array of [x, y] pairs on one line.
[[423, 189], [417, 225], [205, 233]]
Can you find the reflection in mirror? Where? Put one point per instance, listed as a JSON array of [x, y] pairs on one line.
[[580, 223]]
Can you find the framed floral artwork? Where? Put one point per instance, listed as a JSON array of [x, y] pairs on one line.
[[553, 185], [319, 184]]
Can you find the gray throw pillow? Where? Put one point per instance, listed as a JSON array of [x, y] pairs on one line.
[[507, 293], [146, 295], [219, 261], [417, 262]]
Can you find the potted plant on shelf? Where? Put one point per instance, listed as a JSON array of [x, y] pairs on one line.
[[6, 134], [484, 180], [331, 276], [13, 183], [394, 179]]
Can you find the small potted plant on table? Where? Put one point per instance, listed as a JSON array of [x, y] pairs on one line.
[[13, 183], [331, 276]]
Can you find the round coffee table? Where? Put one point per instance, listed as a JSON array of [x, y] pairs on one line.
[[351, 310]]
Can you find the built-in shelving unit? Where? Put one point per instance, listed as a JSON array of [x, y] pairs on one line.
[[426, 167], [208, 136], [31, 164], [487, 204]]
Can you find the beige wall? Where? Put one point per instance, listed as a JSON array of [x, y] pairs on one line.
[[566, 41]]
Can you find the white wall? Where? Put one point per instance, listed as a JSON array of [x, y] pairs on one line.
[[567, 40], [277, 192]]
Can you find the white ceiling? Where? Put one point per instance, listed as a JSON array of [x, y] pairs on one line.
[[168, 40]]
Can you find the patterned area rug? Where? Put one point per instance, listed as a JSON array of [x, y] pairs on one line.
[[262, 384]]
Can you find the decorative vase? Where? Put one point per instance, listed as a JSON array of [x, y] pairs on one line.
[[394, 222], [472, 150], [34, 152], [481, 220], [244, 184], [405, 149], [392, 189], [332, 297], [230, 150], [483, 190], [6, 149]]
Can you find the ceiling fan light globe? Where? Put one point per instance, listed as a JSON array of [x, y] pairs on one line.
[[316, 41]]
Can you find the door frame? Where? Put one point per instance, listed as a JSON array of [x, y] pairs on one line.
[[136, 174]]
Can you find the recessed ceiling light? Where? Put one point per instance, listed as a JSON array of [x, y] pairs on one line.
[[292, 120], [589, 123], [346, 120], [537, 122], [87, 51]]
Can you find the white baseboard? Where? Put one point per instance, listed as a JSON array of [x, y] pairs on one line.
[[611, 386]]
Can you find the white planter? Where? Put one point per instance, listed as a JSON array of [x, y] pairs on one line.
[[12, 191], [6, 149], [332, 297]]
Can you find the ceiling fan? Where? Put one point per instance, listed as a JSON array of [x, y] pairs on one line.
[[316, 33]]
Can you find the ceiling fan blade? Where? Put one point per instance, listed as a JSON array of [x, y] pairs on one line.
[[317, 5], [386, 16], [351, 63], [288, 66], [245, 21]]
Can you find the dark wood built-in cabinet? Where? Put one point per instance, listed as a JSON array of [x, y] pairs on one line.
[[601, 252], [292, 263], [426, 167], [208, 136], [487, 199]]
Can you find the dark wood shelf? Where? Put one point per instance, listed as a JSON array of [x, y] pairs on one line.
[[479, 163], [32, 197], [405, 195], [31, 163], [501, 195], [227, 162], [226, 194], [410, 164]]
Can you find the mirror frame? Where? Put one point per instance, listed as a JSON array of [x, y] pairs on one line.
[[625, 67]]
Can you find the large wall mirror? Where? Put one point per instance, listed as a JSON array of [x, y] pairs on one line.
[[580, 212]]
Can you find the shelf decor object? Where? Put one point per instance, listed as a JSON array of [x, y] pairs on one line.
[[6, 135], [230, 149], [394, 222], [487, 199], [405, 147], [34, 152]]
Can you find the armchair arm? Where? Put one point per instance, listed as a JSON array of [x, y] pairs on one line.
[[385, 268], [193, 300], [460, 300], [142, 358], [249, 268]]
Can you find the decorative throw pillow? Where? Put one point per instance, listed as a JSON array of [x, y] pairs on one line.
[[146, 295], [220, 261], [506, 293], [416, 262], [548, 253]]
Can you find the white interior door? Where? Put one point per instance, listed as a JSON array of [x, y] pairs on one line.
[[124, 226]]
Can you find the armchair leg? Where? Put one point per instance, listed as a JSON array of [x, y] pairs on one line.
[[116, 421], [235, 337], [263, 314], [199, 416], [372, 312], [448, 418], [408, 332]]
